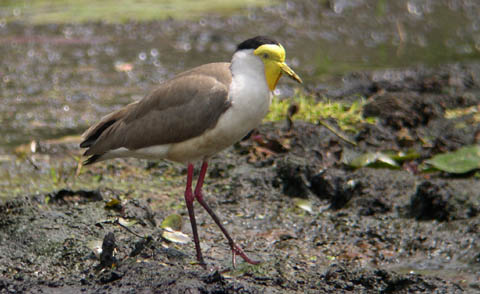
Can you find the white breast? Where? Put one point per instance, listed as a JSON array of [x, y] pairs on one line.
[[250, 98]]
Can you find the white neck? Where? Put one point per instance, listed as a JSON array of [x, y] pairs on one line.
[[244, 62], [249, 93], [248, 78]]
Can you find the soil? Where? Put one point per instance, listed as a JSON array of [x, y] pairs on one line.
[[369, 230]]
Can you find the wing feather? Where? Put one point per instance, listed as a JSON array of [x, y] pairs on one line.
[[179, 109]]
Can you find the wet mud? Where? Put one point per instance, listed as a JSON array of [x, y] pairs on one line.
[[284, 193], [369, 230]]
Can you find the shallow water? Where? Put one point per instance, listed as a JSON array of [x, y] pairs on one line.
[[56, 79]]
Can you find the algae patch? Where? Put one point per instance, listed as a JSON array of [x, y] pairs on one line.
[[349, 116]]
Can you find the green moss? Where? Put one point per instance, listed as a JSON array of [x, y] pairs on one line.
[[348, 116], [473, 111]]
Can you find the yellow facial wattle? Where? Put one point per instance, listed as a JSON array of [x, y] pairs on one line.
[[272, 74], [273, 57]]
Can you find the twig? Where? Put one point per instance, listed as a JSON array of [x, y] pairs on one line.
[[32, 163], [128, 229], [336, 132]]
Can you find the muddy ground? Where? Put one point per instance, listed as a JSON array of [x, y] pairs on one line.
[[369, 230]]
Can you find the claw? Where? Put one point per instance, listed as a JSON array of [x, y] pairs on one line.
[[236, 250]]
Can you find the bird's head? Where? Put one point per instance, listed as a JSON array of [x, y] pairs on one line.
[[272, 54]]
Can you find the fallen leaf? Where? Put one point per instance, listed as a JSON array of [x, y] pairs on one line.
[[401, 156], [173, 222], [304, 204], [127, 223], [372, 159], [461, 161], [175, 236], [113, 203]]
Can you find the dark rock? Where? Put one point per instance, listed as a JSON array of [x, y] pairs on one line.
[[65, 196], [107, 258], [372, 206], [449, 137], [140, 245], [335, 186], [398, 110], [216, 277], [376, 135], [139, 210], [291, 175], [381, 281], [109, 276], [440, 202]]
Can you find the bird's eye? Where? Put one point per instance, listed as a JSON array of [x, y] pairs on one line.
[[265, 55]]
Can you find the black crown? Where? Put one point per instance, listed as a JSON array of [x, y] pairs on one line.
[[256, 42]]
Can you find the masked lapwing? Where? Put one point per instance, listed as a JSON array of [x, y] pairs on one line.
[[194, 115]]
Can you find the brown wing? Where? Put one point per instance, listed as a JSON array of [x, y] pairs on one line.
[[179, 109]]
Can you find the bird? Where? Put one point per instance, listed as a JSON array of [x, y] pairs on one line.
[[192, 117]]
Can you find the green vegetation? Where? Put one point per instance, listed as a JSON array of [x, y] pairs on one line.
[[379, 159], [347, 115], [474, 111], [463, 160], [117, 11]]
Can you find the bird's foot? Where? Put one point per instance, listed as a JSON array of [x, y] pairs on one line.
[[236, 250]]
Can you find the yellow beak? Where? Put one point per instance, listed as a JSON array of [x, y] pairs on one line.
[[287, 70]]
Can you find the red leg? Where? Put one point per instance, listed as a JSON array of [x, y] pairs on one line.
[[189, 197], [199, 196]]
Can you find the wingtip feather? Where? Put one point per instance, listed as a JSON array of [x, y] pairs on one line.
[[92, 159]]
